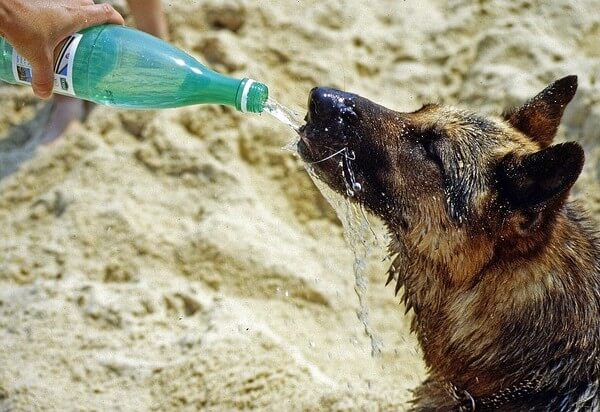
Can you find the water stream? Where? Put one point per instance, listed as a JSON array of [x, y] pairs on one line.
[[284, 114], [357, 229], [360, 237]]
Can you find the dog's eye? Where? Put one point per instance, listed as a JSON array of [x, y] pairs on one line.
[[429, 147], [427, 142]]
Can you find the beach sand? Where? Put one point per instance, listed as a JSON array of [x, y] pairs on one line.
[[181, 260]]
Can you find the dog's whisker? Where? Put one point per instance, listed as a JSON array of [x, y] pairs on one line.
[[331, 156]]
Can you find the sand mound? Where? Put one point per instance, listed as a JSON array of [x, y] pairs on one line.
[[181, 260]]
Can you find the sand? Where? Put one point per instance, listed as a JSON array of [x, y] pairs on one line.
[[181, 260]]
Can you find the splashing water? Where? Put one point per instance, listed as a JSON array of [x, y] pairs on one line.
[[360, 237]]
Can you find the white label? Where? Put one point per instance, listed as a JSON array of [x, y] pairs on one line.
[[63, 66]]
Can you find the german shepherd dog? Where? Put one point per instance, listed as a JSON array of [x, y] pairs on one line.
[[501, 270]]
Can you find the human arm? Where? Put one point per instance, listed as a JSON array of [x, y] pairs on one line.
[[35, 27], [149, 17]]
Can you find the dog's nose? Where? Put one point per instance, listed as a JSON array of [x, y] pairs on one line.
[[325, 103]]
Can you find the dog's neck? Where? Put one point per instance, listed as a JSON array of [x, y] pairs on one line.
[[466, 300]]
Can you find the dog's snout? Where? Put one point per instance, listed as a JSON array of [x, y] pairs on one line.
[[325, 104]]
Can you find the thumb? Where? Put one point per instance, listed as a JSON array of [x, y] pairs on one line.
[[43, 74]]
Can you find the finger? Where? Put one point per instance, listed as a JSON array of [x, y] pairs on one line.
[[43, 75], [104, 13], [95, 15]]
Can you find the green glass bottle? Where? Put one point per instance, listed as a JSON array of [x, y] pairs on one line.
[[123, 67]]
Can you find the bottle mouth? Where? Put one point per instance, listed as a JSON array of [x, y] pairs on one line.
[[252, 96]]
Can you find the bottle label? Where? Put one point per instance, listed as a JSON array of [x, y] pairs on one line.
[[63, 66]]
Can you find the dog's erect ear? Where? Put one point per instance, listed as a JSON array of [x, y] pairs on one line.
[[539, 117], [537, 179]]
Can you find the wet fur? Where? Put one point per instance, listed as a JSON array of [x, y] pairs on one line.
[[501, 270]]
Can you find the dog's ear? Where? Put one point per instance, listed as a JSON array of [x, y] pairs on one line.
[[533, 181], [539, 117]]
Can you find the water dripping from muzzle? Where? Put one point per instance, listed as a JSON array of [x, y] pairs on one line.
[[352, 186], [361, 238]]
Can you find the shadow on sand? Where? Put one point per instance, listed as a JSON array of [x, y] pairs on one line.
[[21, 142]]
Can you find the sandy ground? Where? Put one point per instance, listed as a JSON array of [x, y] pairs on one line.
[[180, 260]]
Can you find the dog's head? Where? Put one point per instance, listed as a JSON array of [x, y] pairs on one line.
[[442, 174]]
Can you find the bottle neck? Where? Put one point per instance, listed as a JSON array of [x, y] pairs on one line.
[[251, 96], [245, 95]]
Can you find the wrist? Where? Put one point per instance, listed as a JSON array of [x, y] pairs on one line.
[[7, 15], [4, 16]]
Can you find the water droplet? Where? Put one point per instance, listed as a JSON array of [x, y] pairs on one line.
[[352, 186]]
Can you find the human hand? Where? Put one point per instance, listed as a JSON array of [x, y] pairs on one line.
[[36, 27]]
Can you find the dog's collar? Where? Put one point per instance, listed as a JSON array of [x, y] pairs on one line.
[[465, 402]]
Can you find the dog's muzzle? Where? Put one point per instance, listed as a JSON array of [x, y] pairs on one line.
[[329, 110]]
